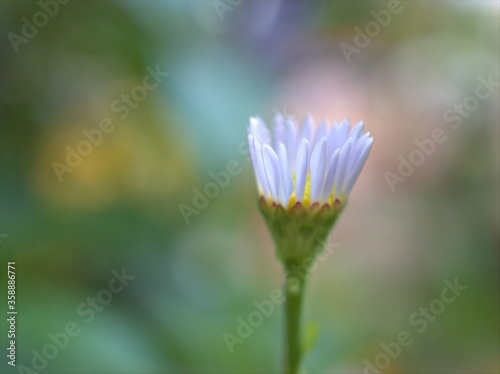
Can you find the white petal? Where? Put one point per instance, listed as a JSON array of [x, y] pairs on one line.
[[259, 130], [260, 168], [318, 167], [286, 180], [301, 169], [330, 176], [353, 177], [272, 171]]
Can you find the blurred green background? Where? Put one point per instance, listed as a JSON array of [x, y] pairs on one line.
[[119, 206]]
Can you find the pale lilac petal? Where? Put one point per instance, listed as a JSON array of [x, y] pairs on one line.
[[338, 136], [330, 176], [318, 167], [260, 168], [291, 141], [251, 148], [272, 171], [342, 167], [286, 180], [320, 133], [357, 150], [331, 156], [279, 130], [357, 131], [259, 130], [353, 177], [301, 169], [307, 129]]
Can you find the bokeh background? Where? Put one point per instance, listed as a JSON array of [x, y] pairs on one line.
[[120, 206]]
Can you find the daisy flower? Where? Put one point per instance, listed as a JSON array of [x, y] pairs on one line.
[[308, 164], [304, 177]]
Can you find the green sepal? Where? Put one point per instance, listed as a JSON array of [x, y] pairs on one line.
[[299, 231]]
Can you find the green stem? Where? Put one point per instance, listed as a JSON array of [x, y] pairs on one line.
[[294, 286]]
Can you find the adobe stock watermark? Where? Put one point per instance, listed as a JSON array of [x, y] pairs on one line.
[[219, 180], [453, 116], [224, 6], [122, 107], [87, 310], [372, 29], [48, 9], [265, 308], [420, 320]]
